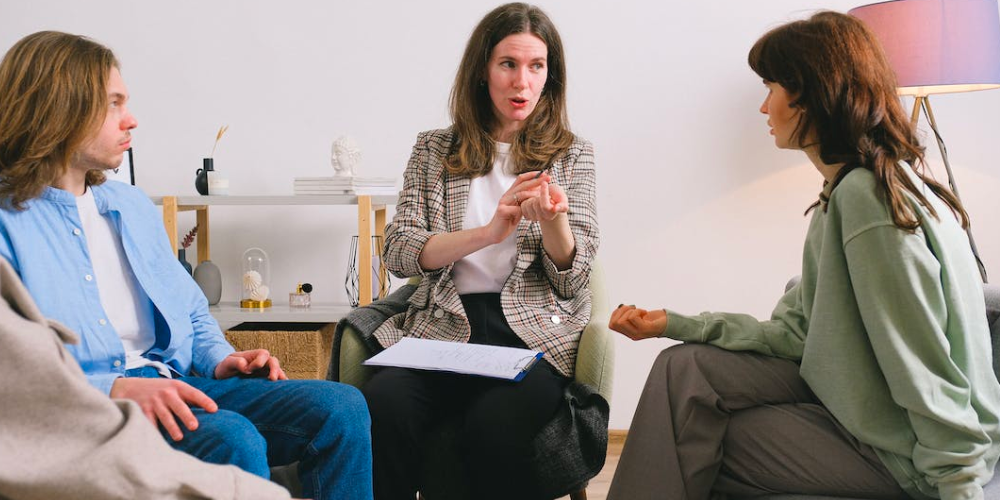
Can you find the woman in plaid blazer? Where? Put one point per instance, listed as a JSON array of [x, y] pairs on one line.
[[497, 215]]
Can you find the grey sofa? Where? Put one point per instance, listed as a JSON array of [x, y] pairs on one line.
[[992, 490]]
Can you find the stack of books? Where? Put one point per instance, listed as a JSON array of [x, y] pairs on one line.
[[345, 185]]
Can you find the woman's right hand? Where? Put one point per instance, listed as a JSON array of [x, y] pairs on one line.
[[638, 324], [508, 213]]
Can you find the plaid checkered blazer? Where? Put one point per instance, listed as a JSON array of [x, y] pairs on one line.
[[545, 307]]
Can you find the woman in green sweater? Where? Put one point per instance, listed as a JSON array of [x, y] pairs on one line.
[[873, 377]]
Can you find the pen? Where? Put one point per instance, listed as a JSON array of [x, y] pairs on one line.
[[542, 171]]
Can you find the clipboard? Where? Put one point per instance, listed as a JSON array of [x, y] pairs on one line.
[[507, 363]]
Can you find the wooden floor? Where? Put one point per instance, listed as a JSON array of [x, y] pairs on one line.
[[598, 487]]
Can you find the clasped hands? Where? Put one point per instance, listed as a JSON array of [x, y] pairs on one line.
[[533, 197], [165, 401]]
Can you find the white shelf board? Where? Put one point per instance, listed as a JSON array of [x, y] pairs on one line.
[[230, 314], [312, 199]]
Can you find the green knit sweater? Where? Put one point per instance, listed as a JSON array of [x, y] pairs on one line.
[[891, 333]]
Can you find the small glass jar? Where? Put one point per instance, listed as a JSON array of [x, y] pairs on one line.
[[300, 297], [255, 279]]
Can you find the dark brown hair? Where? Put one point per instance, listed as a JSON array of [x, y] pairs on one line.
[[837, 74], [53, 97], [545, 136]]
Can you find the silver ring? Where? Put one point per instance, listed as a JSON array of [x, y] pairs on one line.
[[516, 201]]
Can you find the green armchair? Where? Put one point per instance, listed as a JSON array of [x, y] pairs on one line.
[[594, 369]]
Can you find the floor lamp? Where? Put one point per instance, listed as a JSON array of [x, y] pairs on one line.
[[939, 47]]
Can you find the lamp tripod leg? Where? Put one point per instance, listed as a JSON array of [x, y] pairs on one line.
[[923, 102]]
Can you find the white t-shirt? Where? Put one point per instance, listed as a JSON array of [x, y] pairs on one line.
[[128, 307], [486, 270]]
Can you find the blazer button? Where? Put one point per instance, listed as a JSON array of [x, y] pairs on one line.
[[439, 313], [556, 319]]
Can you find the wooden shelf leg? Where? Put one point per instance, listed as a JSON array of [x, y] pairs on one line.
[[170, 220], [203, 245], [364, 250]]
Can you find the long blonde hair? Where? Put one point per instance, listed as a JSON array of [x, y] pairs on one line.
[[53, 97], [545, 136]]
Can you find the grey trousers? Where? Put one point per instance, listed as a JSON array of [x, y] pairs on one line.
[[713, 423]]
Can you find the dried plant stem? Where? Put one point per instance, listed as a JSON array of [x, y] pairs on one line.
[[218, 137]]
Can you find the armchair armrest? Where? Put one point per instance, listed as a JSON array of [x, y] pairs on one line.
[[595, 359], [352, 353]]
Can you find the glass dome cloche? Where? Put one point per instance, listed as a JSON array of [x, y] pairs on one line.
[[255, 279]]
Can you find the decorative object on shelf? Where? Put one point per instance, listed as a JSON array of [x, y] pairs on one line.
[[182, 251], [345, 156], [374, 186], [300, 297], [209, 278], [217, 184], [256, 274], [353, 281], [938, 47], [208, 180], [201, 180]]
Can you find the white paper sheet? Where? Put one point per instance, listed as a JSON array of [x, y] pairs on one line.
[[474, 359]]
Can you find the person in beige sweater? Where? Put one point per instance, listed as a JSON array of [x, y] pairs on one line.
[[62, 438]]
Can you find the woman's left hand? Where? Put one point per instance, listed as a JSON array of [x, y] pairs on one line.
[[546, 204]]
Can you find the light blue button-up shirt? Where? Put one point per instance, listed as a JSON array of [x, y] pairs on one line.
[[45, 244]]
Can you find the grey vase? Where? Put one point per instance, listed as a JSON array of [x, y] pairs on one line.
[[209, 278]]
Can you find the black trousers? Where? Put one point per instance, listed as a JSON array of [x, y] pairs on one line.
[[499, 418]]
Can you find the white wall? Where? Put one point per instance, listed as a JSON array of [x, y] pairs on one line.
[[698, 210]]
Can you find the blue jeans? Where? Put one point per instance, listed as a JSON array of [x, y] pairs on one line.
[[322, 425]]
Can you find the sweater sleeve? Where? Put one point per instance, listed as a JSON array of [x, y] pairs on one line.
[[897, 281], [782, 336]]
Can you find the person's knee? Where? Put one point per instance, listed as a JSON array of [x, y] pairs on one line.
[[226, 437], [674, 355], [344, 410], [682, 357], [333, 417]]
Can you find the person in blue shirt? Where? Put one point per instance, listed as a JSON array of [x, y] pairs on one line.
[[95, 257]]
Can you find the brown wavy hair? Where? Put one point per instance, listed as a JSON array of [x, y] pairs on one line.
[[836, 72], [545, 136], [53, 98]]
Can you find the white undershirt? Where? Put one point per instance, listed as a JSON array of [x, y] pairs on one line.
[[128, 307], [486, 270]]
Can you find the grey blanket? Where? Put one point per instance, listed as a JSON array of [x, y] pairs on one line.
[[567, 452]]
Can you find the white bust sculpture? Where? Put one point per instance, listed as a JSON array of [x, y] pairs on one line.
[[345, 155]]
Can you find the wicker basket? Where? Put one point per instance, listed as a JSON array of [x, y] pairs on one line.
[[303, 348]]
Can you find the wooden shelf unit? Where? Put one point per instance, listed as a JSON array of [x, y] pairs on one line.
[[366, 205]]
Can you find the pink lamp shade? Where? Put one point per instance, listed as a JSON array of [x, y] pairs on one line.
[[938, 46]]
